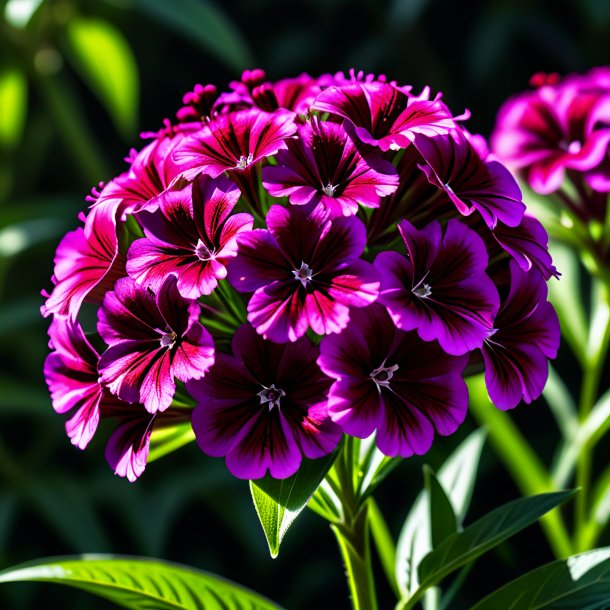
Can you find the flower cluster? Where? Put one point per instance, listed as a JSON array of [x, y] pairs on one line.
[[557, 138], [289, 261]]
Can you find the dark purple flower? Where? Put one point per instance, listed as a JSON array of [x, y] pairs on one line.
[[454, 165], [391, 381], [528, 245], [324, 166], [264, 407], [192, 235], [561, 126], [526, 335], [128, 446], [153, 339], [385, 115], [234, 142], [305, 272], [441, 289], [87, 263]]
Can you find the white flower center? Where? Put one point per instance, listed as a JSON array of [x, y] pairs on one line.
[[168, 339], [329, 190], [202, 252], [271, 396], [382, 375], [303, 274], [244, 161], [422, 291]]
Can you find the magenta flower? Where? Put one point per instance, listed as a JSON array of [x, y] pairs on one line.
[[264, 407], [558, 127], [390, 381], [153, 339], [71, 374], [472, 183], [87, 263], [526, 335], [385, 115], [323, 166], [305, 272], [441, 289], [150, 174], [191, 235], [234, 142]]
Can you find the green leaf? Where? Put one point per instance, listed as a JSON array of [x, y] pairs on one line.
[[561, 403], [383, 542], [593, 428], [457, 476], [278, 502], [442, 518], [168, 439], [13, 107], [484, 534], [141, 583], [103, 57], [206, 25], [581, 582]]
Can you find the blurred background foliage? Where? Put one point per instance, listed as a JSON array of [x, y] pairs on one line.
[[78, 81]]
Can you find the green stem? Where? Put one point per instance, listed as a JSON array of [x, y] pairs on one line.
[[353, 533], [598, 344], [353, 537]]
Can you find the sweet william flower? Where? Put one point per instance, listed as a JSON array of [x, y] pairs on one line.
[[304, 271], [385, 115], [323, 166], [390, 381], [153, 339], [441, 289], [87, 263], [454, 165], [526, 334], [192, 235], [264, 407]]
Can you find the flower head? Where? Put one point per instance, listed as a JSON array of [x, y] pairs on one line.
[[390, 381], [153, 339], [192, 235], [324, 166], [264, 407], [305, 273]]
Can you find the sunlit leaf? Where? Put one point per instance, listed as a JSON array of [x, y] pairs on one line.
[[581, 582], [484, 534], [278, 502], [141, 584], [383, 543], [457, 476], [13, 106], [205, 24], [103, 57], [561, 403]]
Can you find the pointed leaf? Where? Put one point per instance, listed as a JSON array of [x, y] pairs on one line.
[[141, 584], [581, 582], [442, 518], [13, 106], [278, 502], [103, 57], [457, 476], [206, 25], [486, 533]]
